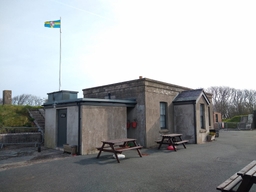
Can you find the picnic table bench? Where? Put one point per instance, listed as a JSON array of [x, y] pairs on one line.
[[172, 139], [117, 146], [241, 181]]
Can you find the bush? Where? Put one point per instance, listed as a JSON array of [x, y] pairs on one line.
[[232, 125], [235, 119], [16, 116]]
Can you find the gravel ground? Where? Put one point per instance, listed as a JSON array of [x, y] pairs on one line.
[[199, 168], [12, 156]]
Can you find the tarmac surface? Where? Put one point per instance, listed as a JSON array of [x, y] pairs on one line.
[[199, 168]]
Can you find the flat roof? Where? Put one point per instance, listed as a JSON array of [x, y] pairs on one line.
[[94, 101]]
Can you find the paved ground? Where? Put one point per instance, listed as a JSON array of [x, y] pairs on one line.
[[199, 168], [23, 155]]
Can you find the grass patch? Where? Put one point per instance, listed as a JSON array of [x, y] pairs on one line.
[[16, 116]]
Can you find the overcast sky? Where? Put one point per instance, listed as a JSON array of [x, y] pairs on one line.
[[192, 43]]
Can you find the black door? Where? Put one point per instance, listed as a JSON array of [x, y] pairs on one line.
[[62, 127]]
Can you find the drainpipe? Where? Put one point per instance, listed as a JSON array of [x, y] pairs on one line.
[[195, 122], [79, 129]]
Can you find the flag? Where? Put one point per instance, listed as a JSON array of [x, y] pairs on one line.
[[52, 24]]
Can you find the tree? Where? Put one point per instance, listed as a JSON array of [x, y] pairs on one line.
[[27, 99], [231, 102], [221, 99]]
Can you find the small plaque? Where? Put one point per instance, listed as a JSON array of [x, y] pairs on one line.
[[63, 115]]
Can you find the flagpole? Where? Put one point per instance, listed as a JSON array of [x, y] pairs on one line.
[[60, 59]]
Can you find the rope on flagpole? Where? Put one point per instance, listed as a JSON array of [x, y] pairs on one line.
[[60, 59]]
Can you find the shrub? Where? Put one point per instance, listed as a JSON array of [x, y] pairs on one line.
[[16, 116], [235, 119]]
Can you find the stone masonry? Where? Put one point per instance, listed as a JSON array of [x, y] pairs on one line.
[[7, 97]]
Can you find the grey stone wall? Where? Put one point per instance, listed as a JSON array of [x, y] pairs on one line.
[[184, 122], [101, 123], [19, 138], [155, 93], [72, 125], [97, 123], [148, 94], [7, 97], [51, 126], [50, 135], [202, 133], [127, 90]]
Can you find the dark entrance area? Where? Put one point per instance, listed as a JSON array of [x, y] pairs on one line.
[[62, 127]]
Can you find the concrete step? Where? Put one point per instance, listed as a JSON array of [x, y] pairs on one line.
[[38, 117]]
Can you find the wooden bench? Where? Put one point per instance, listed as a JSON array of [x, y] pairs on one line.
[[172, 139], [119, 150], [180, 142], [115, 146], [128, 148], [245, 178], [230, 183], [175, 143], [159, 141]]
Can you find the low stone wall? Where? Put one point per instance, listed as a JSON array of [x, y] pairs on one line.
[[21, 138]]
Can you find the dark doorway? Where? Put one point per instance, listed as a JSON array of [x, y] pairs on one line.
[[62, 127]]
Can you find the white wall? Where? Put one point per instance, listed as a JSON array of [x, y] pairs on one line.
[[72, 125], [51, 123], [101, 123], [50, 128]]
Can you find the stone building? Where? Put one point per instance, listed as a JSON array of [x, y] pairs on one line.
[[217, 120], [217, 117], [193, 115], [83, 122], [142, 109]]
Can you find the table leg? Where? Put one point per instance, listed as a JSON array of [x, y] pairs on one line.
[[100, 150], [160, 144], [172, 140], [246, 185], [182, 143], [138, 150], [112, 147]]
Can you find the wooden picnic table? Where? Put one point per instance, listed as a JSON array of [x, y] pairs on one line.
[[248, 174], [117, 146], [244, 179], [172, 139]]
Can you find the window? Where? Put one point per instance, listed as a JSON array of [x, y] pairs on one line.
[[202, 116], [216, 117], [163, 115], [209, 115]]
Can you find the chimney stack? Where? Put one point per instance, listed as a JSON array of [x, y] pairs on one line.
[[7, 97]]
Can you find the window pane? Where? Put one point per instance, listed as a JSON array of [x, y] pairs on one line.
[[202, 116], [162, 108], [209, 115], [163, 115]]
